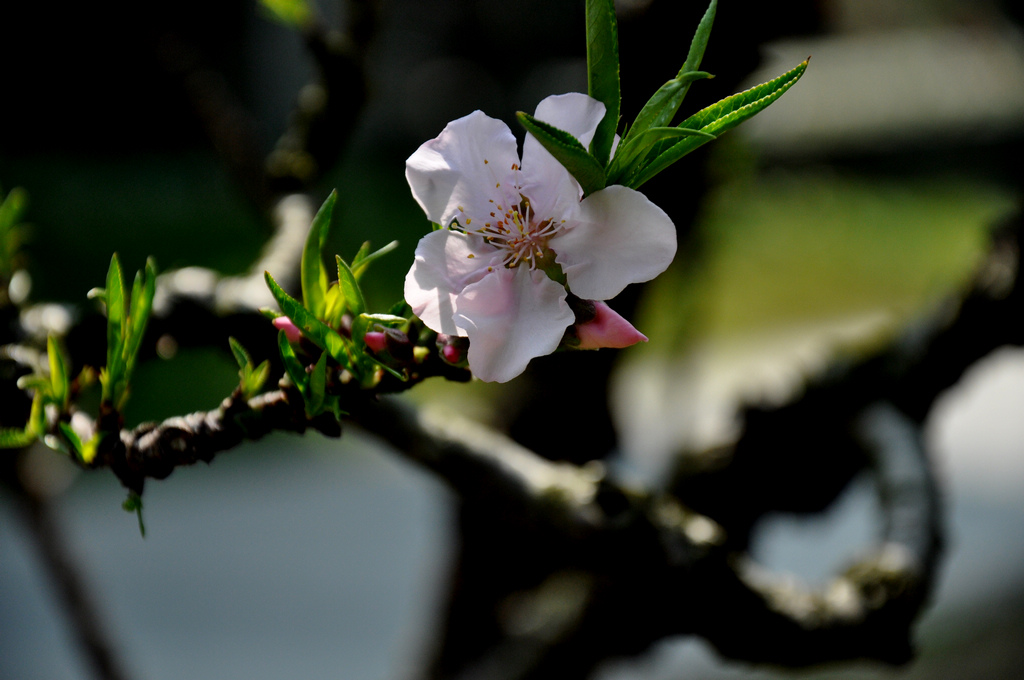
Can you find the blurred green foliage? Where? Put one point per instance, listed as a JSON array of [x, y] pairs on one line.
[[791, 246]]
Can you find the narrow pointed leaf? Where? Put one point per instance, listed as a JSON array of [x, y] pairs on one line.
[[116, 325], [13, 438], [323, 336], [400, 309], [59, 379], [37, 416], [77, 447], [401, 376], [603, 73], [313, 274], [700, 40], [317, 387], [354, 300], [363, 260], [628, 154], [241, 356], [143, 290], [292, 366], [256, 379], [389, 320], [568, 151], [715, 120], [661, 108], [35, 382]]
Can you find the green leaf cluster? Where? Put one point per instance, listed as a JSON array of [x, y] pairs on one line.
[[333, 317], [12, 233], [52, 392], [251, 377], [127, 317], [48, 390], [651, 143]]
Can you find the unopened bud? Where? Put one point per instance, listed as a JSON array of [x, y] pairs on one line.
[[375, 340], [291, 331], [452, 348]]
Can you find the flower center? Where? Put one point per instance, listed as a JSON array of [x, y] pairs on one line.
[[518, 231], [513, 227]]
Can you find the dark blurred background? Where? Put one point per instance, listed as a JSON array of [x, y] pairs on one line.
[[848, 207]]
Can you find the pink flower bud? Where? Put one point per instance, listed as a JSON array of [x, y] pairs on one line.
[[376, 341], [607, 329], [451, 354], [291, 331]]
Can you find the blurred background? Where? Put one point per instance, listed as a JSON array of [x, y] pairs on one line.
[[850, 206]]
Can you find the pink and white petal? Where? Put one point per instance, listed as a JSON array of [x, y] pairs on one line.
[[549, 185], [618, 237], [608, 328], [576, 113], [454, 175], [511, 316], [445, 263]]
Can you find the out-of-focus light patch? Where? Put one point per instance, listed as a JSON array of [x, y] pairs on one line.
[[625, 8], [46, 471], [977, 429], [692, 402], [166, 346], [44, 319], [19, 287], [893, 89]]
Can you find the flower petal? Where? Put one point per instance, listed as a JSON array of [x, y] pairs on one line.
[[446, 262], [511, 316], [455, 174], [552, 189], [618, 237], [607, 329]]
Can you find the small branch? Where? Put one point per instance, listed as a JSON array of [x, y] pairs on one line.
[[154, 450]]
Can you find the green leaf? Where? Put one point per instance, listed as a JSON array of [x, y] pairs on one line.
[[134, 504], [661, 108], [389, 320], [400, 309], [13, 438], [603, 73], [323, 336], [335, 306], [715, 120], [143, 291], [117, 318], [364, 259], [12, 207], [700, 40], [292, 366], [354, 300], [59, 379], [292, 13], [627, 155], [401, 376], [313, 273], [241, 356], [255, 379], [35, 382], [568, 151], [77, 447], [317, 387], [37, 416]]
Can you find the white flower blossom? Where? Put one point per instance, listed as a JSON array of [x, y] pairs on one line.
[[516, 235]]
